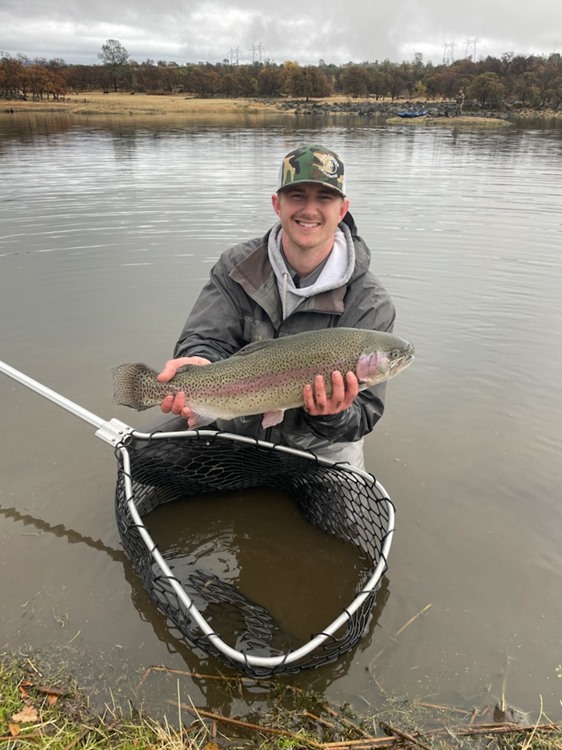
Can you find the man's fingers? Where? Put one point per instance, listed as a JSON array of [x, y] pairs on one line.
[[338, 389], [173, 365], [343, 391], [320, 393], [351, 386], [166, 405], [308, 397], [168, 372]]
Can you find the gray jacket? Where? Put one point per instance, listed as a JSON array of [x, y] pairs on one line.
[[242, 303]]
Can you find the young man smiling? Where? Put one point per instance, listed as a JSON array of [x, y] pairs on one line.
[[310, 271], [309, 215]]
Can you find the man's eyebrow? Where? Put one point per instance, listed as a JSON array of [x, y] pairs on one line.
[[321, 191]]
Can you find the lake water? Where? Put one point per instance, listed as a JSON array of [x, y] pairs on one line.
[[108, 229]]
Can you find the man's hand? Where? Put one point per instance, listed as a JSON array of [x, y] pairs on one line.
[[176, 404], [344, 392]]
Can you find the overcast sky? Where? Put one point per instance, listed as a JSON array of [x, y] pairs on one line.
[[306, 32]]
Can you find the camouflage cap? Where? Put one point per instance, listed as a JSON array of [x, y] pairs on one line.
[[312, 163]]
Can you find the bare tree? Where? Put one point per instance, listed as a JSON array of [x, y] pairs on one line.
[[114, 57]]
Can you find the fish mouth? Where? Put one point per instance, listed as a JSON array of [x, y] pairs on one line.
[[403, 360]]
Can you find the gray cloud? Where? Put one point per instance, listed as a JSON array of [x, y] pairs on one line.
[[193, 30]]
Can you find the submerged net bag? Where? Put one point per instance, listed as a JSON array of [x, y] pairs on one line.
[[159, 468]]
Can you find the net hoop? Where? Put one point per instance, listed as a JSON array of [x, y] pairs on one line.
[[372, 514]]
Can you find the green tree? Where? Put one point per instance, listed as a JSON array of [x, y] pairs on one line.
[[487, 89], [202, 81], [355, 81], [549, 79], [526, 89], [230, 86], [290, 71], [420, 90], [310, 82], [147, 76], [398, 82], [378, 84], [270, 81], [247, 79], [114, 58]]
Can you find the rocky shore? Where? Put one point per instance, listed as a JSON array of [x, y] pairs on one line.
[[389, 109]]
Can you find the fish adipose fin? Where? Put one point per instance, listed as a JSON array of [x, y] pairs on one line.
[[127, 384]]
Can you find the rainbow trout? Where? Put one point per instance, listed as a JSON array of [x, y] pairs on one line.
[[267, 377]]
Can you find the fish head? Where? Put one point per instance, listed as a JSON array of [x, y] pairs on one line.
[[385, 361]]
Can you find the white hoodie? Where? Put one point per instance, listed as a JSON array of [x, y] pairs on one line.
[[334, 272]]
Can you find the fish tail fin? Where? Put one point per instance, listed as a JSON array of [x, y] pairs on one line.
[[129, 385]]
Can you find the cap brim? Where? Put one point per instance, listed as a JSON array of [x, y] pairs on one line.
[[311, 182]]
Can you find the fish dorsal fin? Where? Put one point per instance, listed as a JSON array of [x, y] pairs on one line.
[[185, 368], [254, 346]]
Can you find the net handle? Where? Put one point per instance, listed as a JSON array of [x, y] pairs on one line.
[[51, 395]]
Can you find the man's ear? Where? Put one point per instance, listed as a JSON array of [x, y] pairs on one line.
[[275, 203]]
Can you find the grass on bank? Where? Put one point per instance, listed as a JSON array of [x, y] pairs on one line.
[[92, 103], [47, 710]]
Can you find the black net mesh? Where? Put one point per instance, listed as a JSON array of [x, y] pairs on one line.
[[346, 503]]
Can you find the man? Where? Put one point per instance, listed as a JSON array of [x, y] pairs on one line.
[[460, 103], [309, 272]]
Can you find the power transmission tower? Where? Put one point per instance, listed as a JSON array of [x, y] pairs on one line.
[[471, 43], [448, 46], [234, 54], [256, 48]]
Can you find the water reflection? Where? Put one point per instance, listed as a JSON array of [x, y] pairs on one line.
[[60, 531]]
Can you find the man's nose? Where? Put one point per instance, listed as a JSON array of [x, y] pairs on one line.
[[310, 203]]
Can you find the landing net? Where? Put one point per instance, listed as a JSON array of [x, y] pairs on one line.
[[160, 468]]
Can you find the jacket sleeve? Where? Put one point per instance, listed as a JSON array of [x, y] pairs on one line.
[[372, 309], [215, 327]]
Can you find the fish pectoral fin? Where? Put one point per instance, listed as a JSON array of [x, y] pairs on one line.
[[271, 418], [197, 421]]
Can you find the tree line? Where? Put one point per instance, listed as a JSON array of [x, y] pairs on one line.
[[509, 81]]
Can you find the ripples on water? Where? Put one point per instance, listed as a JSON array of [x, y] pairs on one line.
[[107, 232]]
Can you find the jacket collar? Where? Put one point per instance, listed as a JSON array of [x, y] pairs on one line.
[[256, 277]]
